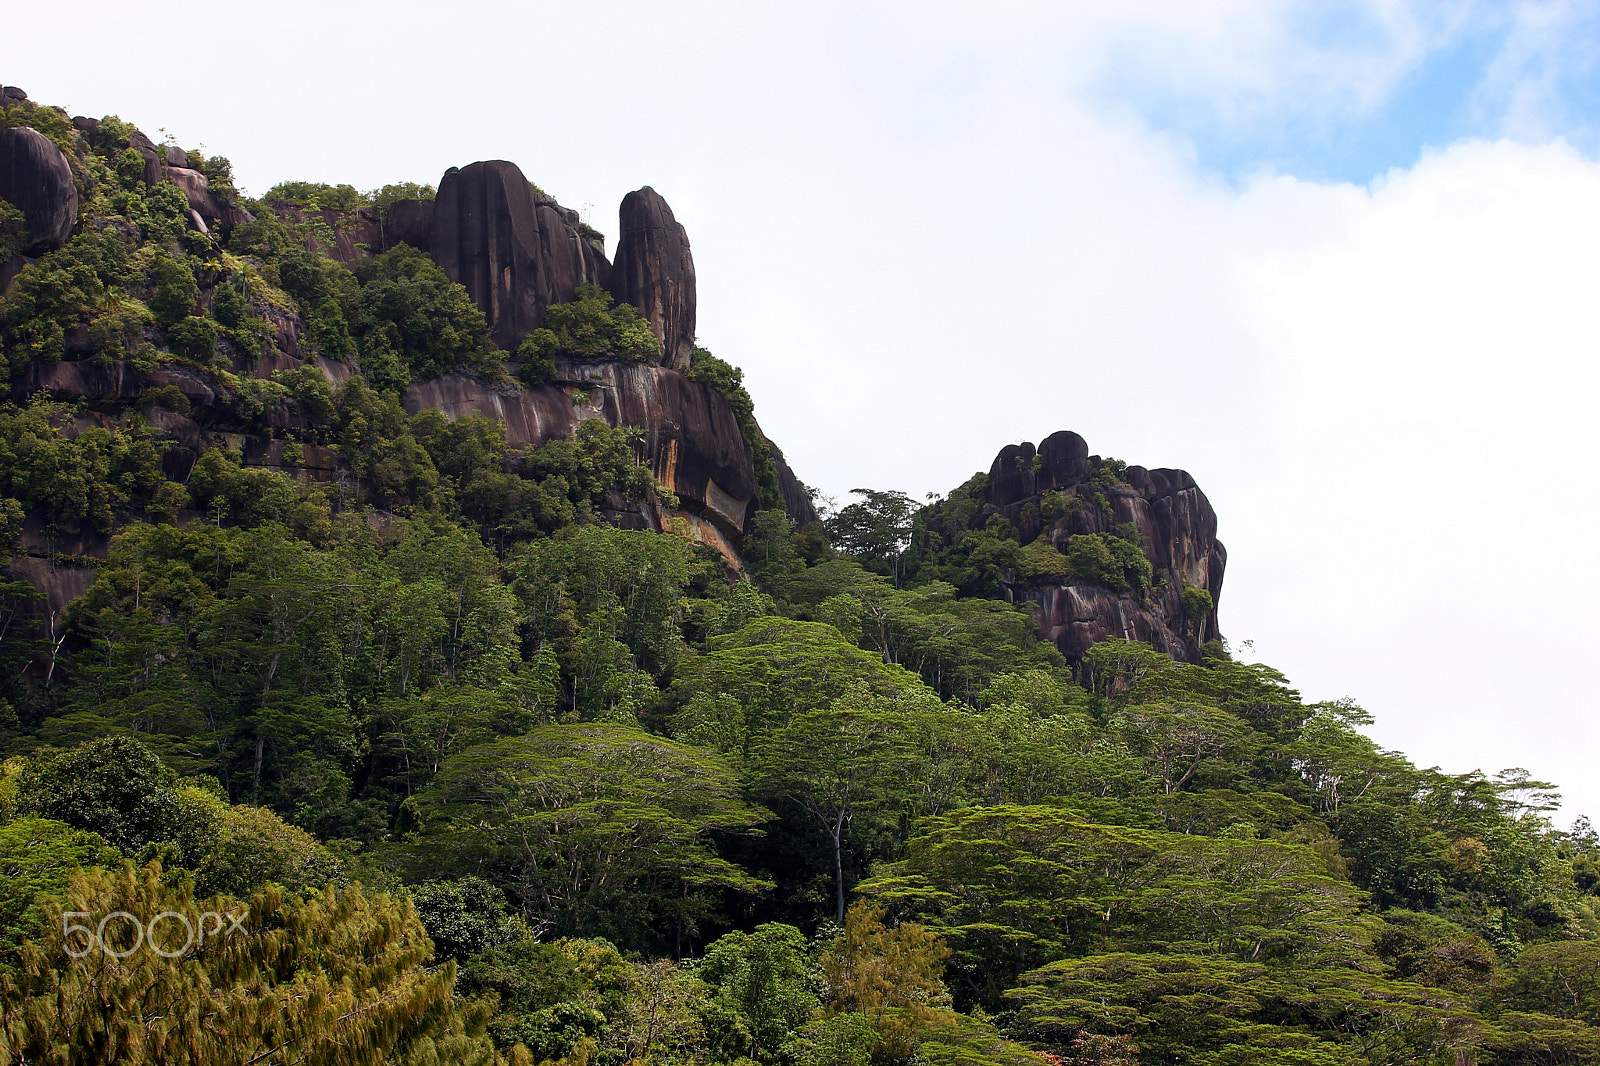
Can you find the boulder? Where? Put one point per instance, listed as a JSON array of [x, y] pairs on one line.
[[198, 191], [515, 253], [654, 271], [11, 96], [407, 222], [174, 156], [36, 179], [89, 127], [152, 156]]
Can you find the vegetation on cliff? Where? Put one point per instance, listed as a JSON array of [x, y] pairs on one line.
[[479, 777]]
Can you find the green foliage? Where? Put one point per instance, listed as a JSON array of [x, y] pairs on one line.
[[317, 195], [876, 529], [597, 825], [335, 979], [194, 337], [414, 322], [385, 197], [38, 856], [592, 324], [13, 230], [767, 981], [114, 787], [54, 295], [1015, 886], [1110, 561], [1197, 604], [176, 295], [83, 479], [464, 917]]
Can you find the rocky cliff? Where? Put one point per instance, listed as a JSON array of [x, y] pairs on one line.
[[1057, 491], [515, 251]]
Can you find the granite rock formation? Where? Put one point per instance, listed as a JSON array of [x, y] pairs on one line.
[[152, 156], [1176, 525], [690, 437], [515, 252], [654, 271], [408, 222], [36, 179]]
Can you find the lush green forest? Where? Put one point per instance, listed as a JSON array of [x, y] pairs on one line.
[[476, 777]]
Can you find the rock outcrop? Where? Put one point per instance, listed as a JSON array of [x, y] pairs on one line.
[[691, 439], [152, 156], [1176, 527], [654, 271], [36, 179], [408, 222], [515, 252]]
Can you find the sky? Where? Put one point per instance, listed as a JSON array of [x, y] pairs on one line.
[[1337, 260]]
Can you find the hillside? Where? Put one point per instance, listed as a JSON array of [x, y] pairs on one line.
[[394, 574]]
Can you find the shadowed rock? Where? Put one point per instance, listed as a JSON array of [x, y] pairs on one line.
[[408, 222], [36, 179], [654, 271], [515, 253], [152, 156]]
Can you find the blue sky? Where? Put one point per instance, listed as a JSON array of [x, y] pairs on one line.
[[1528, 72]]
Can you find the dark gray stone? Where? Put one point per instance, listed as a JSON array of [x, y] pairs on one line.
[[36, 179], [514, 254], [654, 271]]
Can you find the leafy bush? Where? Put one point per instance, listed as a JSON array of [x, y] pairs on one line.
[[1109, 561], [1040, 559], [1197, 603], [167, 396], [328, 296], [592, 324], [414, 322], [13, 230], [195, 337], [176, 295]]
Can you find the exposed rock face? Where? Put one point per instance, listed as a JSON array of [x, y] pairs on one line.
[[796, 500], [691, 439], [515, 253], [654, 271], [353, 237], [36, 179], [1176, 524], [408, 222], [152, 156], [198, 192]]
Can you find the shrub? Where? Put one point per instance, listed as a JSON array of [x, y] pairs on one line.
[[592, 324], [168, 396], [176, 295], [415, 322], [194, 337], [1197, 603], [1109, 561], [1040, 559]]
